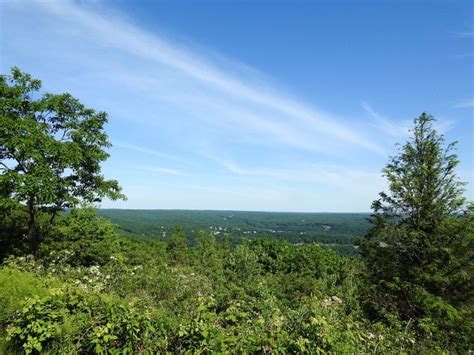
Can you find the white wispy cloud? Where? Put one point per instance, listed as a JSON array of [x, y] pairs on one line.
[[157, 169], [385, 124], [465, 34], [171, 104], [401, 128], [465, 104], [145, 150], [325, 175], [237, 197], [118, 34]]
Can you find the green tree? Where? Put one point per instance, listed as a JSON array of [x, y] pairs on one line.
[[177, 246], [419, 251], [51, 147], [208, 255]]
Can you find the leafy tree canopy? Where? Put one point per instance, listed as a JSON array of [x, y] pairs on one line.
[[51, 147]]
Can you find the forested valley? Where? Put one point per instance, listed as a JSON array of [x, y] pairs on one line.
[[74, 279], [336, 230]]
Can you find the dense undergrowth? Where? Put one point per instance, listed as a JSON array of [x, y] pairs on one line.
[[97, 292]]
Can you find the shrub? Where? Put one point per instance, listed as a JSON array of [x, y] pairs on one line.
[[15, 286], [90, 238], [71, 319]]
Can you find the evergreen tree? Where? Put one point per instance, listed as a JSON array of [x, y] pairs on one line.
[[419, 252]]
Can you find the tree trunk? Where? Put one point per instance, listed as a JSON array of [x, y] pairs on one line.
[[33, 236]]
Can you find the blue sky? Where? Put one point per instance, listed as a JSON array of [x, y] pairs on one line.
[[268, 105]]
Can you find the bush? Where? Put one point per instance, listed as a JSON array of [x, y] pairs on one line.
[[15, 287], [72, 320], [91, 239]]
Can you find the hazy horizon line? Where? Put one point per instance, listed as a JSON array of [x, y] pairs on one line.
[[227, 210]]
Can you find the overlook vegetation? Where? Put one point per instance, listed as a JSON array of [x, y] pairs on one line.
[[337, 230], [76, 283]]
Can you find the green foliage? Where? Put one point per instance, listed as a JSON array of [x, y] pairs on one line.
[[208, 255], [88, 289], [178, 247], [90, 240], [73, 320], [419, 252], [16, 286], [13, 228], [36, 324], [337, 230], [238, 305], [50, 151], [424, 188]]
